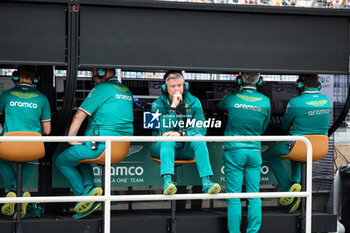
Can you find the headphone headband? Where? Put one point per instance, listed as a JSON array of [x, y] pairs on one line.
[[16, 77], [239, 81]]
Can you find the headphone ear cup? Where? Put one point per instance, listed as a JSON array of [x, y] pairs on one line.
[[239, 81], [300, 85], [15, 76], [186, 86], [36, 79], [319, 85], [101, 72], [260, 82], [164, 89]]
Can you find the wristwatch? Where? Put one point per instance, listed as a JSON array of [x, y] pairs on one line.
[[172, 109]]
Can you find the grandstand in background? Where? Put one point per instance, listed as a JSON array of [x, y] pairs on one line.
[[288, 3]]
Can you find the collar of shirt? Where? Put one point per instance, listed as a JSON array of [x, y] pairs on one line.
[[113, 78], [249, 86], [311, 90], [25, 84]]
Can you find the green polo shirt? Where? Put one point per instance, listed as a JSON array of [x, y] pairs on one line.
[[248, 115], [308, 113], [24, 108], [109, 105]]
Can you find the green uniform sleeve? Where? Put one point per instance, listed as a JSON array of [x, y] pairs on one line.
[[288, 116], [96, 97], [224, 103], [46, 111]]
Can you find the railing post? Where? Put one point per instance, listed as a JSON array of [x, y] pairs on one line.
[[308, 186], [107, 191]]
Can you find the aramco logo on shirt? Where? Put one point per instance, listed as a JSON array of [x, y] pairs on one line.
[[151, 120], [248, 107], [23, 104], [123, 97], [319, 112]]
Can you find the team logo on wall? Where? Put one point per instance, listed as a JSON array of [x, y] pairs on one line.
[[151, 120]]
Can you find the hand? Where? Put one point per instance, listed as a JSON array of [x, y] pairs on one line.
[[171, 134], [177, 98], [75, 143]]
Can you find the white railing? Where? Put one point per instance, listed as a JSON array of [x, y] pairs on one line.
[[107, 197]]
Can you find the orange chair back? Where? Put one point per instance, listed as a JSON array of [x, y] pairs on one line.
[[119, 152], [177, 162], [22, 151], [319, 149]]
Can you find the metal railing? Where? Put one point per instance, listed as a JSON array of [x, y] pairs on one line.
[[108, 198]]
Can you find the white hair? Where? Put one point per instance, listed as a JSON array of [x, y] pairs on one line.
[[250, 78], [174, 75]]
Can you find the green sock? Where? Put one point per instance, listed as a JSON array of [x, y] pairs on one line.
[[166, 178], [205, 179]]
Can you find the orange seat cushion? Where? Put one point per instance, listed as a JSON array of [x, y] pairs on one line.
[[22, 151], [119, 152], [319, 149], [187, 161]]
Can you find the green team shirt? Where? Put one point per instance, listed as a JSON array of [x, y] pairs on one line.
[[248, 115], [24, 108], [109, 105], [188, 112], [308, 113]]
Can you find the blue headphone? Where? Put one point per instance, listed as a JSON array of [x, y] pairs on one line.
[[239, 81], [16, 77], [301, 85], [101, 72]]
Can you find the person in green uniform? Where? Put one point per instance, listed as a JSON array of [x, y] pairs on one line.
[[110, 113], [176, 107], [25, 109], [306, 114], [248, 115]]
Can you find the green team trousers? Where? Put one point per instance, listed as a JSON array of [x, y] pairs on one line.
[[9, 176], [275, 162], [168, 152], [79, 175], [243, 164]]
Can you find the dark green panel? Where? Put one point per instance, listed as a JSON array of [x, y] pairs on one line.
[[32, 33], [213, 40]]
